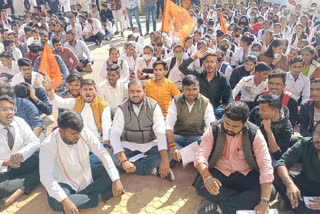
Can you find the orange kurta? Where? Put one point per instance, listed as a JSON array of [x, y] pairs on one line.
[[163, 93]]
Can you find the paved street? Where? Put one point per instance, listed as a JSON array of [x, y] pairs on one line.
[[144, 194]]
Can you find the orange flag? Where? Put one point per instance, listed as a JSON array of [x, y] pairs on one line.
[[187, 4], [223, 24], [49, 66], [177, 21]]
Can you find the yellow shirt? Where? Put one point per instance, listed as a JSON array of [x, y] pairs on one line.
[[163, 93]]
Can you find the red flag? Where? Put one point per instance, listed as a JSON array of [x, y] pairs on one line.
[[177, 21], [223, 24], [49, 66]]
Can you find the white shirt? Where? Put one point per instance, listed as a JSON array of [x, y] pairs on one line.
[[249, 90], [175, 75], [140, 39], [87, 115], [32, 41], [25, 141], [18, 78], [113, 96], [172, 115], [76, 29], [80, 49], [16, 53], [138, 47], [298, 88], [141, 64], [227, 71], [159, 130], [130, 60], [95, 27], [196, 65], [7, 72], [239, 55], [51, 170], [191, 50], [124, 70], [66, 5]]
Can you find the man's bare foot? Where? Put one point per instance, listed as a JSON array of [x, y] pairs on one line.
[[13, 197]]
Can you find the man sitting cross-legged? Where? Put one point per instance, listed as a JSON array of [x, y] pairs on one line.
[[65, 169], [19, 162], [273, 119], [138, 135], [307, 183], [235, 164], [188, 115]]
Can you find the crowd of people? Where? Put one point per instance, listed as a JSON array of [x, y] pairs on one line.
[[248, 95]]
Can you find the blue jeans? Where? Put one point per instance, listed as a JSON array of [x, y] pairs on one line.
[[94, 159], [182, 141], [160, 4], [85, 63], [153, 10], [108, 35], [88, 197], [144, 166], [135, 11]]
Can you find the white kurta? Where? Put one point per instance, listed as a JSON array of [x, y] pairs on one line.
[[70, 164]]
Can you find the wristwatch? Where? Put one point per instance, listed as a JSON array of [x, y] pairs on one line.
[[264, 201]]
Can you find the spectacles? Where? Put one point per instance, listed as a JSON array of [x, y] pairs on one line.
[[6, 110]]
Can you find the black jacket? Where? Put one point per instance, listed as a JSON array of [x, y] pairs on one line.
[[292, 106], [307, 119], [281, 129], [218, 90], [106, 15]]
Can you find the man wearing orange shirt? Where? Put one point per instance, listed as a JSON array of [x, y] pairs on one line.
[[160, 88]]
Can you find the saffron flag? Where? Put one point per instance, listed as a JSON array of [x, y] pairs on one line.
[[176, 21], [223, 24], [187, 4], [49, 66]]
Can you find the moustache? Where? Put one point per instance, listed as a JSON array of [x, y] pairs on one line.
[[230, 133]]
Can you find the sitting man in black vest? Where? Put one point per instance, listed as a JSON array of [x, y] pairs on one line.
[[273, 118], [307, 183], [276, 85], [235, 165], [138, 135], [188, 115]]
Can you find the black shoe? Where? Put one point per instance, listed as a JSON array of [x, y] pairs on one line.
[[209, 208], [98, 42], [122, 34], [172, 163], [147, 34], [116, 33]]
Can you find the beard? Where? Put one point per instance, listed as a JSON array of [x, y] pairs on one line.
[[136, 103], [67, 141], [230, 133]]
